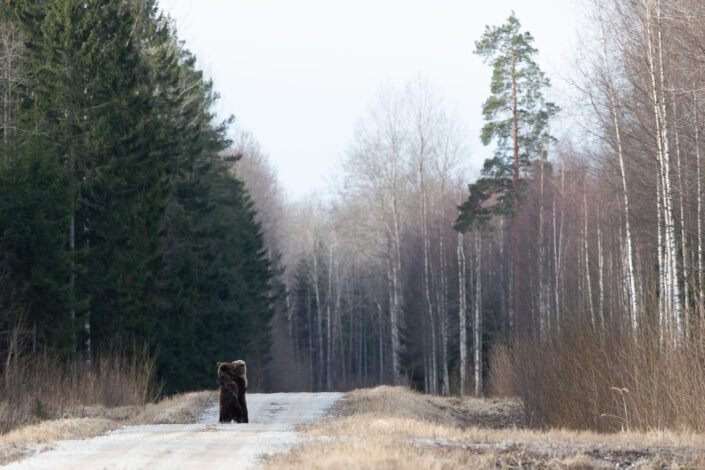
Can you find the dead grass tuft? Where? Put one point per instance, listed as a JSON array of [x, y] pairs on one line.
[[178, 409]]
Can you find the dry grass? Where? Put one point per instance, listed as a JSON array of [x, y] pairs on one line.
[[606, 380], [36, 387], [90, 421], [451, 411], [376, 454], [390, 427]]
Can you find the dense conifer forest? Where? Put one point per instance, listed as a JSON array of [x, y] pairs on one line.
[[122, 220]]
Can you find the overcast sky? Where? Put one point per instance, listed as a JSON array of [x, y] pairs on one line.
[[298, 74]]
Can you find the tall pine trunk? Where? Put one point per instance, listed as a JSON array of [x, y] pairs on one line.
[[515, 316]]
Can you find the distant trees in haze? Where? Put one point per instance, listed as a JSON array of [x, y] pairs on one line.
[[372, 274]]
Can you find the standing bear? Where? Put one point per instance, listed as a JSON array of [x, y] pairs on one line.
[[232, 381]]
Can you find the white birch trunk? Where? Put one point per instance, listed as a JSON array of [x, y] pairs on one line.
[[672, 290], [701, 310], [629, 261], [543, 298], [381, 343], [428, 306], [684, 238], [556, 263], [477, 324], [442, 310], [661, 267], [600, 276], [558, 249], [397, 300], [588, 282], [675, 301], [319, 319], [329, 296], [462, 312]]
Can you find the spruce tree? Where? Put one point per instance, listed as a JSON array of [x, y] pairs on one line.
[[121, 222]]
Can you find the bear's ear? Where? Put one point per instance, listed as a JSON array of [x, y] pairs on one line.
[[220, 363]]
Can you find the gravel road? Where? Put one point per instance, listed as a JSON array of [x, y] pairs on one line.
[[207, 444]]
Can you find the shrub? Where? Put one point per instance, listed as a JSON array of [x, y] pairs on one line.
[[38, 386], [606, 379]]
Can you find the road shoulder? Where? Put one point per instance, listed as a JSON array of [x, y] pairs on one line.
[[89, 422], [391, 427]]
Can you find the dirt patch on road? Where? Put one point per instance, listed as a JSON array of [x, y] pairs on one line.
[[391, 427], [90, 421]]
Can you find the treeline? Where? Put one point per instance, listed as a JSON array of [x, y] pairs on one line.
[[584, 253], [371, 273], [610, 220], [122, 222], [386, 283]]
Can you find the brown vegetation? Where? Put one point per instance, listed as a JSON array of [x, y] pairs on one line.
[[395, 428], [85, 422], [605, 380], [35, 387], [43, 400]]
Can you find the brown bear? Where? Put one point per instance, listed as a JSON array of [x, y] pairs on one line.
[[232, 380]]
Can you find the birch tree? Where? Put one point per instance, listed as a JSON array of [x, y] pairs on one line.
[[630, 273]]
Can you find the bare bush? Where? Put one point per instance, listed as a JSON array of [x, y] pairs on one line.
[[39, 386], [501, 382], [585, 378]]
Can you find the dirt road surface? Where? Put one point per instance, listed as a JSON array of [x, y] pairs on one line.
[[205, 445]]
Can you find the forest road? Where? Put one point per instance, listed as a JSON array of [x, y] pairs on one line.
[[205, 445]]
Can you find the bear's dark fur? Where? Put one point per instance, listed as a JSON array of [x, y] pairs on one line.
[[232, 380], [230, 408]]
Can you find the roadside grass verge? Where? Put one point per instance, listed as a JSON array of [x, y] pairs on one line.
[[44, 399], [86, 422], [39, 386], [392, 427]]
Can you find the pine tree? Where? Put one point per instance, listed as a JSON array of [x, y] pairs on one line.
[[516, 116]]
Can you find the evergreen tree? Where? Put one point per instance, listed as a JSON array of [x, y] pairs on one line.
[[120, 222], [516, 116]]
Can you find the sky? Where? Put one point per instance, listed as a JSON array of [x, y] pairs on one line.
[[299, 74]]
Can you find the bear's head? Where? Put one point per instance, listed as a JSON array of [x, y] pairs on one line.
[[225, 369], [233, 369], [240, 370]]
